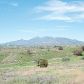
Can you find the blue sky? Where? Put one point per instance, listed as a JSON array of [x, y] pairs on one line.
[[25, 19]]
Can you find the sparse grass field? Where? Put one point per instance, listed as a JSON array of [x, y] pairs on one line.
[[18, 66]]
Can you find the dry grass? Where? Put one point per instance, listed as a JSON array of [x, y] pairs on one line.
[[64, 67]]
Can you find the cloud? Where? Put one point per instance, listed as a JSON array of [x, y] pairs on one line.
[[61, 10], [55, 16]]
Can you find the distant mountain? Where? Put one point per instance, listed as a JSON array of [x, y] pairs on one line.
[[45, 41]]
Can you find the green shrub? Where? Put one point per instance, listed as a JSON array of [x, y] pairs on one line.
[[82, 48], [60, 48], [78, 52], [82, 58], [42, 63], [55, 46], [29, 52]]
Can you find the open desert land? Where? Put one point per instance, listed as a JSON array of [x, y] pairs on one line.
[[19, 65]]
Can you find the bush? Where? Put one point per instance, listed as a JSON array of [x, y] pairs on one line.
[[60, 48], [82, 58], [29, 52], [42, 63], [55, 46], [78, 52], [82, 48], [41, 47]]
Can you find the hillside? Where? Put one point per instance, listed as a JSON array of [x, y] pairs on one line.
[[18, 66]]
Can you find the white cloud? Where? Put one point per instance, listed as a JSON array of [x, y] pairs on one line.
[[60, 10], [55, 16]]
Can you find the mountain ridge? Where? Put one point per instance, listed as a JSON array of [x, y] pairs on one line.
[[46, 41]]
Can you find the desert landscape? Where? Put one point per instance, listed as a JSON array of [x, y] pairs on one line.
[[41, 41], [19, 65]]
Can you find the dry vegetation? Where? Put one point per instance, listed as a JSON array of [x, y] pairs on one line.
[[19, 65], [78, 52]]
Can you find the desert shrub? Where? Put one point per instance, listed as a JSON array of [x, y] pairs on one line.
[[60, 48], [41, 47], [78, 52], [82, 48], [48, 50], [82, 58], [55, 46], [29, 52], [42, 63], [64, 59]]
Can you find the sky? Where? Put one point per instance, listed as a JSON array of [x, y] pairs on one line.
[[26, 19]]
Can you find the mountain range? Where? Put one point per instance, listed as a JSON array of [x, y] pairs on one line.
[[45, 41]]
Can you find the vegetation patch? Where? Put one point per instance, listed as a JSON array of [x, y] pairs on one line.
[[78, 52], [42, 63]]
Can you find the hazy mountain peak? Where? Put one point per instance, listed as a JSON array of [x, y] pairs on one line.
[[46, 41]]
